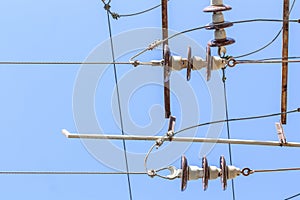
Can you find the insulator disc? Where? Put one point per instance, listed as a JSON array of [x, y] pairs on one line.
[[213, 26], [209, 63], [222, 42], [205, 173], [189, 64], [217, 8], [184, 173], [224, 172]]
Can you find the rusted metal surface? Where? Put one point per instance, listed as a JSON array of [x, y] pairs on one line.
[[285, 52], [164, 11]]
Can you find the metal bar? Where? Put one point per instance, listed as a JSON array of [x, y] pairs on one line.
[[285, 52], [164, 16], [179, 139]]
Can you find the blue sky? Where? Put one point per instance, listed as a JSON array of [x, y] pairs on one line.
[[37, 101]]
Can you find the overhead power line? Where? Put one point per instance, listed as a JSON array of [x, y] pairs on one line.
[[119, 106], [66, 173], [115, 15]]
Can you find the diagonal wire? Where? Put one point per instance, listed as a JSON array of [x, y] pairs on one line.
[[269, 43], [119, 105], [228, 129], [296, 195]]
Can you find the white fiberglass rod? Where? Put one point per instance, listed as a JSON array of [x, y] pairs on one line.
[[179, 139]]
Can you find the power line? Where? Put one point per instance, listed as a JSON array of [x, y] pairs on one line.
[[269, 43], [228, 129], [119, 105], [235, 119], [71, 63], [66, 173], [292, 197], [117, 16]]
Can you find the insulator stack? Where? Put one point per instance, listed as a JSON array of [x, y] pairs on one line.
[[219, 24]]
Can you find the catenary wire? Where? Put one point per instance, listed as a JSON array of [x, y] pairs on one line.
[[119, 106], [269, 43]]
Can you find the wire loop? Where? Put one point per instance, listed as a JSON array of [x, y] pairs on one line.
[[247, 171]]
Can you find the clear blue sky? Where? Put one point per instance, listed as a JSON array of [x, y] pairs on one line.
[[36, 101]]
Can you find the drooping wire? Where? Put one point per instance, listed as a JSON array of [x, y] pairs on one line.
[[236, 119], [228, 128], [296, 195], [119, 105], [157, 43], [117, 16], [269, 43]]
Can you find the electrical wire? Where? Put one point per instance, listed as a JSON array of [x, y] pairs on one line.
[[73, 63], [296, 195], [66, 173], [228, 128], [236, 119], [117, 16], [269, 43], [207, 26], [119, 106]]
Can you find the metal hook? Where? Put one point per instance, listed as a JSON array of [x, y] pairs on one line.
[[174, 172]]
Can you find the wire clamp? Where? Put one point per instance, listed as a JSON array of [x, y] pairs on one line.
[[151, 173], [280, 132], [154, 44]]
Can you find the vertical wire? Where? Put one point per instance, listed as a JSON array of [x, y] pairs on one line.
[[119, 105], [228, 129]]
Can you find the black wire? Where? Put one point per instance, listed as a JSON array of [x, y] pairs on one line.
[[119, 105], [268, 44], [228, 129], [292, 197], [141, 12], [116, 15], [236, 119]]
